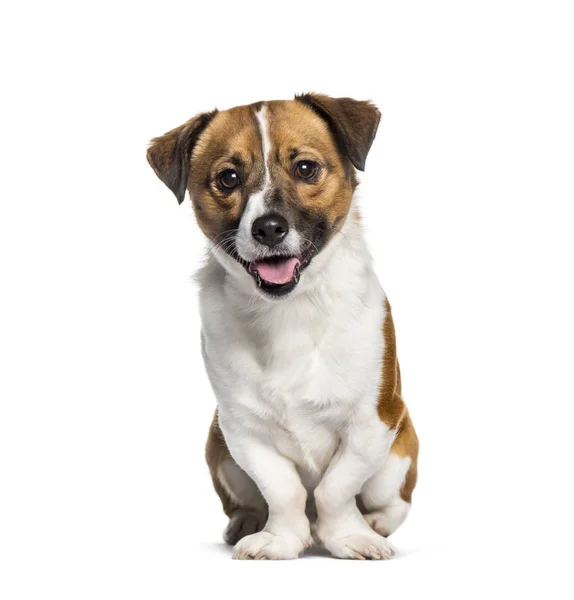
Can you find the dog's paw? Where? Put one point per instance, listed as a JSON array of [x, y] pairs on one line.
[[268, 546], [360, 546], [243, 523]]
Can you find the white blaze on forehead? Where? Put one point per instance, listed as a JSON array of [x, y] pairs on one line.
[[256, 205], [264, 130]]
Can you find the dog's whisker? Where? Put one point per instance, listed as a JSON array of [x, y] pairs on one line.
[[222, 244], [224, 233], [311, 243]]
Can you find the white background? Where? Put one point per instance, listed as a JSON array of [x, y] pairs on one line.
[[467, 199]]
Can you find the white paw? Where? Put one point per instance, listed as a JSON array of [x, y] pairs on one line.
[[360, 546], [268, 546]]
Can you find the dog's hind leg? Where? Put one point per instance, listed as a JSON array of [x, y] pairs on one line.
[[385, 499], [241, 499]]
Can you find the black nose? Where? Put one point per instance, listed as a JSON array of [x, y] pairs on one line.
[[270, 229]]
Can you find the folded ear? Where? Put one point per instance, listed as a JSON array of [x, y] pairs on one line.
[[170, 154], [353, 122]]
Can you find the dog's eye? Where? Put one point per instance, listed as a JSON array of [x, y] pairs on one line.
[[228, 179], [306, 169]]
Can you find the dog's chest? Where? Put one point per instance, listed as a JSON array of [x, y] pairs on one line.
[[294, 380], [305, 400], [299, 430]]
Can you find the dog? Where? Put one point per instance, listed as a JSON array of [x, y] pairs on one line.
[[311, 441]]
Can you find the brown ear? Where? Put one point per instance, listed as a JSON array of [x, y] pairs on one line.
[[354, 123], [170, 154]]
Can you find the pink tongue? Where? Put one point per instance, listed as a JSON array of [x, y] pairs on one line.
[[277, 271]]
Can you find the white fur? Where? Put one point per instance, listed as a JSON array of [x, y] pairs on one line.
[[381, 495], [297, 383]]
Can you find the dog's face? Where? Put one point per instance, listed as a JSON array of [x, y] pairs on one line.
[[270, 183]]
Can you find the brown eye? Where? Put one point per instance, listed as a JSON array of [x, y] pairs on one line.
[[306, 169], [228, 179]]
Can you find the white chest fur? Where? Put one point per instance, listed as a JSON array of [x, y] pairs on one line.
[[294, 372]]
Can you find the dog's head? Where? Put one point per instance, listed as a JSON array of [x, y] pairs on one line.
[[271, 182]]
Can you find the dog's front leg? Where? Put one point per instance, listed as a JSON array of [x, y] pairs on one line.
[[341, 527], [287, 532]]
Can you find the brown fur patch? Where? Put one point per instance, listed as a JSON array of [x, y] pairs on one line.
[[392, 409], [407, 444], [296, 133], [232, 141], [170, 154], [354, 123]]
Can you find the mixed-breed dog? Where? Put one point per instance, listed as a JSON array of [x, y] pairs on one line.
[[311, 441]]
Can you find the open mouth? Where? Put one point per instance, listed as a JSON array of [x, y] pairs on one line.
[[278, 275]]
